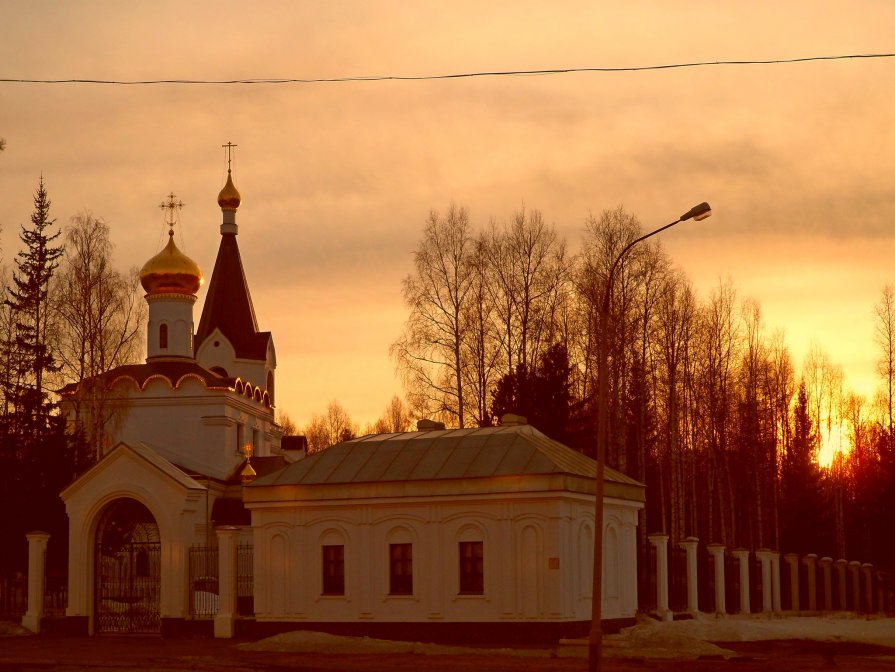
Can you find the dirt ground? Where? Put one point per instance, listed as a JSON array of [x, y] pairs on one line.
[[125, 654]]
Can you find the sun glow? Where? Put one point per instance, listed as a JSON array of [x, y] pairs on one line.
[[832, 441]]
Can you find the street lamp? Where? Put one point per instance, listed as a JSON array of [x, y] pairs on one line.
[[595, 641]]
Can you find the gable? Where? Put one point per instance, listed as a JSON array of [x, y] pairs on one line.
[[125, 465]]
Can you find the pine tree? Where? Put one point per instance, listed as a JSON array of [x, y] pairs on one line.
[[28, 297], [802, 520]]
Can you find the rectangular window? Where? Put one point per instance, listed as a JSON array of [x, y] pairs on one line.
[[239, 442], [400, 565], [334, 570], [472, 568]]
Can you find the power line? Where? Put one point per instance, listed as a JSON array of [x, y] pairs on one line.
[[460, 75]]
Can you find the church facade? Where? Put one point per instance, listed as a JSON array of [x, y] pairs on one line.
[[194, 420], [442, 531]]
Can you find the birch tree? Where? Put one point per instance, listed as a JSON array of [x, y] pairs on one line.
[[430, 353], [884, 333], [100, 323]]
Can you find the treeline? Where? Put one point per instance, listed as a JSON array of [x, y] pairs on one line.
[[66, 315], [705, 404]]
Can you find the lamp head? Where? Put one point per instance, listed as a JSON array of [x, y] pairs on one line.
[[698, 212]]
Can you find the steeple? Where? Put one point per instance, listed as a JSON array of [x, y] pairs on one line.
[[228, 311]]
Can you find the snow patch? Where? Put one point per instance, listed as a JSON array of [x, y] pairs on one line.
[[307, 641]]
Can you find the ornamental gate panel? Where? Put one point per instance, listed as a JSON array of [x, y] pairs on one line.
[[127, 571]]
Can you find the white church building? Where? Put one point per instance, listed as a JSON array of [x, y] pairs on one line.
[[483, 533]]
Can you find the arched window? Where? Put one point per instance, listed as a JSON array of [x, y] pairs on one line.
[[163, 336], [400, 562], [333, 557]]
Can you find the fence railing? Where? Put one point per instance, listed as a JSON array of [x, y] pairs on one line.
[[13, 596], [690, 577], [204, 581]]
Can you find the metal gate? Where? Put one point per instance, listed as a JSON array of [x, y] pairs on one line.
[[127, 576]]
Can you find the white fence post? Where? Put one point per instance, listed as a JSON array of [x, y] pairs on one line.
[[225, 617], [855, 568], [660, 542], [826, 566], [717, 551], [810, 562], [841, 586], [793, 560], [690, 545], [867, 569], [775, 581], [767, 595], [37, 564], [742, 556]]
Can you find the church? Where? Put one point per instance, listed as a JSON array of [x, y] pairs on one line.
[[484, 532]]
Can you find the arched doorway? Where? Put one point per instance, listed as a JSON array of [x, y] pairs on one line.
[[127, 574]]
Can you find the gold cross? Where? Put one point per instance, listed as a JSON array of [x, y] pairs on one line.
[[229, 147], [171, 207]]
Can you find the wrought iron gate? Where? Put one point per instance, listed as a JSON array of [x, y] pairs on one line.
[[127, 571]]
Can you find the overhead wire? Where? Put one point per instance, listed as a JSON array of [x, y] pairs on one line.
[[459, 75]]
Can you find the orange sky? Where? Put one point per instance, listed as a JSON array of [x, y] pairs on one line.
[[337, 179]]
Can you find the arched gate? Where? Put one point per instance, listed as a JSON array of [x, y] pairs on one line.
[[127, 570]]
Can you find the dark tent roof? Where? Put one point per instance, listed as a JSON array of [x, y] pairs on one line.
[[228, 305]]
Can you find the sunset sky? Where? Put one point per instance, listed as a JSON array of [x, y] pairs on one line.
[[797, 160]]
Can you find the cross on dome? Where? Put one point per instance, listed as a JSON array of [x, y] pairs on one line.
[[229, 198], [229, 147], [171, 208], [171, 271]]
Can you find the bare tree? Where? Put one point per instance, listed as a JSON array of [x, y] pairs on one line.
[[607, 235], [719, 346], [529, 264], [286, 423], [781, 389], [395, 418], [430, 353], [482, 342], [824, 385], [100, 323], [330, 428], [9, 370], [675, 316], [884, 311]]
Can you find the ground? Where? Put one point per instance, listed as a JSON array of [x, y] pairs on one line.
[[846, 644]]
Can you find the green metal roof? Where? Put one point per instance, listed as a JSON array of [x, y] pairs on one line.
[[486, 452]]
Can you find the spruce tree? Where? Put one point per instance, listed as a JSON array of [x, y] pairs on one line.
[[802, 523], [28, 297]]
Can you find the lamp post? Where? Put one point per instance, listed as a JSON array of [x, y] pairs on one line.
[[595, 641]]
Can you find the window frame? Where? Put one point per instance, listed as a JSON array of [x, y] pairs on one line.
[[471, 567], [332, 557], [400, 569]]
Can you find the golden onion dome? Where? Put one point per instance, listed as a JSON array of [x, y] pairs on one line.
[[229, 198], [171, 272]]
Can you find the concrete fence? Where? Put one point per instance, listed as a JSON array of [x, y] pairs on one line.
[[688, 577]]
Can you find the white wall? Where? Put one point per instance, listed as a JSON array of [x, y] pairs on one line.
[[538, 554], [196, 427]]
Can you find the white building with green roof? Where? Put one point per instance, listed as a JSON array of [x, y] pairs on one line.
[[473, 533]]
